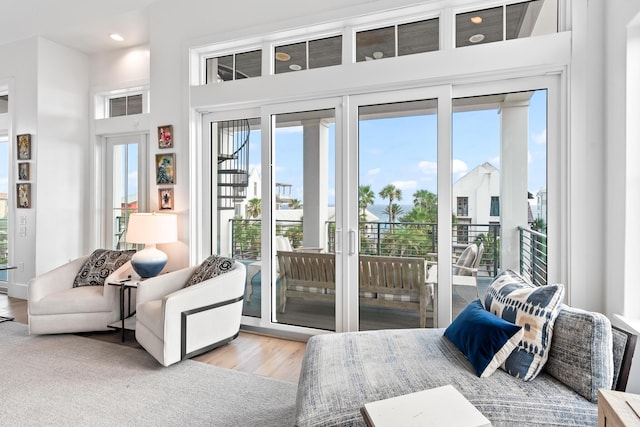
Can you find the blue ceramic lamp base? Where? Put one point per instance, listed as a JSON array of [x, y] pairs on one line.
[[148, 262]]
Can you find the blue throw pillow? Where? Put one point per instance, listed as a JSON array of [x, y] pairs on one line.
[[483, 337]]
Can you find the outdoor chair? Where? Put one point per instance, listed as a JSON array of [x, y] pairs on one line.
[[464, 269]]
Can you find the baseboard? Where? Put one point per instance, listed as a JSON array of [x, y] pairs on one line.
[[18, 290]]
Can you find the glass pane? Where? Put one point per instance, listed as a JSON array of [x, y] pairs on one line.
[[125, 191], [4, 205], [398, 213], [418, 37], [527, 19], [236, 148], [4, 104], [291, 57], [325, 52], [118, 107], [496, 138], [304, 176], [220, 69], [376, 44], [480, 26], [134, 104], [248, 64]]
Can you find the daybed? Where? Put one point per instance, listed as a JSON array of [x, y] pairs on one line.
[[341, 372]]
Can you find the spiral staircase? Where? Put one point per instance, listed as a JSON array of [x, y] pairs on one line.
[[233, 162]]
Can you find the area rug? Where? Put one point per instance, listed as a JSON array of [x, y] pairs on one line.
[[71, 380]]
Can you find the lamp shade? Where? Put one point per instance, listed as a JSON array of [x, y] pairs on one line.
[[151, 228]]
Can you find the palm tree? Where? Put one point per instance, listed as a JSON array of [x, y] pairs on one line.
[[365, 199], [295, 204], [392, 193], [393, 210], [426, 200], [253, 208]]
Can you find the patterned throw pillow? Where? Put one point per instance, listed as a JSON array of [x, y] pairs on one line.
[[211, 267], [535, 308], [100, 264]]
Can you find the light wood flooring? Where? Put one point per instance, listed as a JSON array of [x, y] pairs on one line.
[[256, 354]]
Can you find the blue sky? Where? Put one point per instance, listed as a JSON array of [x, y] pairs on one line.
[[403, 151], [399, 151]]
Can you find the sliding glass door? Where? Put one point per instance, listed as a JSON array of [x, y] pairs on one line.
[[353, 213]]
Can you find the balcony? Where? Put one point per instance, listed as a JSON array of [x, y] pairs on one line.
[[387, 239]]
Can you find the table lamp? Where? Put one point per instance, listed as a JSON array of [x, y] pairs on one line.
[[150, 229]]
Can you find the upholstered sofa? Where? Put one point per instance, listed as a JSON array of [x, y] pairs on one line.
[[341, 372]]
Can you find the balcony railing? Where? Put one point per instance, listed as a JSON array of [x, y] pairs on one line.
[[378, 238], [533, 256]]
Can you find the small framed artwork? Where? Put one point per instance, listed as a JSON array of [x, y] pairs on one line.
[[24, 146], [166, 168], [165, 136], [23, 171], [165, 201], [24, 195]]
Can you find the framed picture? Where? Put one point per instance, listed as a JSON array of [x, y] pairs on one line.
[[165, 201], [23, 171], [24, 146], [24, 195], [165, 136], [166, 168]]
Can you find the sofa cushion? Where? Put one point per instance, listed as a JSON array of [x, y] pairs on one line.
[[213, 266], [484, 338], [100, 264], [581, 354], [535, 308]]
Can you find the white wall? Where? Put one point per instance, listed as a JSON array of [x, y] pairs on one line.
[[49, 84], [19, 67], [62, 161], [622, 197]]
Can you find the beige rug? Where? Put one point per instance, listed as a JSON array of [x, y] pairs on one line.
[[57, 380]]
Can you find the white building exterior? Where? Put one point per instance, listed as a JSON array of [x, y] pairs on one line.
[[477, 187]]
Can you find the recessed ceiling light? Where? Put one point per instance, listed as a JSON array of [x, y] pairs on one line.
[[476, 38], [283, 56], [116, 37], [377, 55], [476, 19], [295, 67]]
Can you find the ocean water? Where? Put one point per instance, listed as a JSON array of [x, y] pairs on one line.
[[378, 210]]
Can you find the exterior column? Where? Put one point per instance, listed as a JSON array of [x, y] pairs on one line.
[[514, 176], [316, 183]]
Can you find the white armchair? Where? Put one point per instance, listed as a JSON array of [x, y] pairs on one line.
[[54, 306], [175, 322]]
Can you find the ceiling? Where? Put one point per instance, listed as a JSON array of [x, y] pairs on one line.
[[84, 25]]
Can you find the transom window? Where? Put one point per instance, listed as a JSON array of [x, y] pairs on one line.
[[308, 54], [398, 40], [235, 66]]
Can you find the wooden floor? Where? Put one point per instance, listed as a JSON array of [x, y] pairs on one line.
[[266, 356]]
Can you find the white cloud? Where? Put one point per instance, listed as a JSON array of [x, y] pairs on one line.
[[539, 137], [429, 168], [405, 185], [459, 167], [374, 151], [375, 171]]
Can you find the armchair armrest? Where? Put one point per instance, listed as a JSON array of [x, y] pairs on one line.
[[473, 271], [54, 281], [165, 284]]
